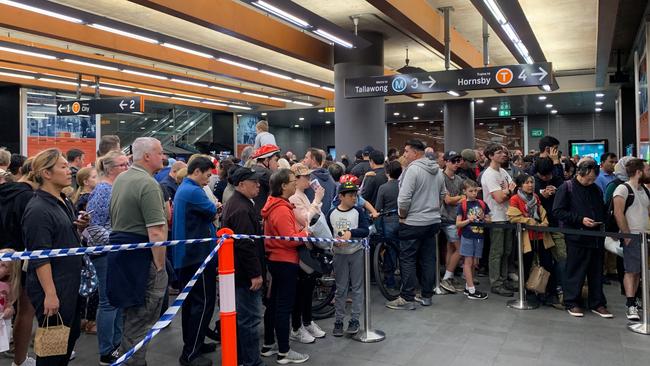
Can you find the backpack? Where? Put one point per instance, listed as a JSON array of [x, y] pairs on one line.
[[611, 225], [463, 208]]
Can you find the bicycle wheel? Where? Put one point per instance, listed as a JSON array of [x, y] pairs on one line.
[[324, 313], [323, 292], [386, 270]]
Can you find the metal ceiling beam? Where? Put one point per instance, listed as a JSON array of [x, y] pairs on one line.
[[90, 90], [607, 15], [517, 18], [137, 80], [240, 21], [417, 17], [30, 22]]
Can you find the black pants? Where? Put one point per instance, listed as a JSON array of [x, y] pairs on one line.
[[545, 260], [198, 307], [581, 262], [72, 318], [280, 306], [302, 307]]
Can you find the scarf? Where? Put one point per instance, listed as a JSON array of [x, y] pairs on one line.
[[531, 204]]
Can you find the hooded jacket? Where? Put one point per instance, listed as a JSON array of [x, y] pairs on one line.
[[13, 201], [279, 220], [422, 186], [326, 181]]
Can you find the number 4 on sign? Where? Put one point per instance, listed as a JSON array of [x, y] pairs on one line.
[[522, 75]]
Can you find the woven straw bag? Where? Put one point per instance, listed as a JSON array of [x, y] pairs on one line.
[[51, 340]]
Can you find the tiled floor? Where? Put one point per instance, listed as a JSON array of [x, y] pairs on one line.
[[455, 331]]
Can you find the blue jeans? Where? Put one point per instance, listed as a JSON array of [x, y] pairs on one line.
[[109, 318], [417, 250], [249, 317]]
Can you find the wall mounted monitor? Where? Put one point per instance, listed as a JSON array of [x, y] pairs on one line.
[[593, 148]]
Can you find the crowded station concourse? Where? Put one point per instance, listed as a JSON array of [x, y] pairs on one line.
[[324, 182]]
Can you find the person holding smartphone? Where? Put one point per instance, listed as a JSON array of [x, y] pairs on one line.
[[579, 205]]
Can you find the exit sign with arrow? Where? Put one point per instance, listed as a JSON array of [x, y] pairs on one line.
[[100, 106]]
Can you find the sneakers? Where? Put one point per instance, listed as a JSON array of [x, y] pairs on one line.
[[198, 361], [73, 355], [106, 360], [632, 313], [400, 304], [502, 291], [576, 311], [477, 295], [353, 327], [301, 335], [338, 329], [448, 285], [315, 330], [602, 312], [513, 277], [424, 301], [28, 362], [268, 351], [291, 357]]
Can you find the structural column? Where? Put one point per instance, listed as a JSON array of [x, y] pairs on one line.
[[459, 124], [359, 121]]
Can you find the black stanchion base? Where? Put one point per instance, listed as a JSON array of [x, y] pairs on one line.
[[521, 305], [370, 336]]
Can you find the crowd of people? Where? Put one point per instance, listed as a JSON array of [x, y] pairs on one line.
[[54, 200]]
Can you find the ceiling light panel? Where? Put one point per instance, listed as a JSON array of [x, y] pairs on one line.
[[123, 33], [238, 64], [333, 38], [89, 64], [145, 74], [281, 14], [27, 53], [41, 11], [187, 50]]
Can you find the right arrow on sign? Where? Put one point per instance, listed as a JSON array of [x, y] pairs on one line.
[[431, 82], [542, 74]]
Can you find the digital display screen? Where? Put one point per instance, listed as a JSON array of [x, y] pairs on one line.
[[593, 149]]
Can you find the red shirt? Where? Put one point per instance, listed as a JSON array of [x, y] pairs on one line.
[[520, 204]]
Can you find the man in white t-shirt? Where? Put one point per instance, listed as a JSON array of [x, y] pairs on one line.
[[632, 218], [497, 188]]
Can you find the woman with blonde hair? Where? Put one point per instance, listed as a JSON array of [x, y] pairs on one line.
[[86, 182], [109, 318], [50, 222]]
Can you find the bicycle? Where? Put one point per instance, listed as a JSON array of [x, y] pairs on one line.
[[385, 261]]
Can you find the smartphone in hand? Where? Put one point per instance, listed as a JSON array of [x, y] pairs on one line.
[[314, 184]]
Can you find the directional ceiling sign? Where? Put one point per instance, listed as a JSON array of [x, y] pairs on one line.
[[100, 106], [512, 76]]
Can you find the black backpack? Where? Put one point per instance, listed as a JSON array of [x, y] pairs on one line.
[[611, 225]]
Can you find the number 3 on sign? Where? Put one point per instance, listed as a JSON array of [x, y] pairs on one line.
[[414, 83]]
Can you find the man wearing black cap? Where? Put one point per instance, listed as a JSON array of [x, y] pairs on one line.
[[363, 167], [467, 168], [240, 215], [454, 186]]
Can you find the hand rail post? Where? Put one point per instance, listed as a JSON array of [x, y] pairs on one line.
[[521, 303], [367, 335]]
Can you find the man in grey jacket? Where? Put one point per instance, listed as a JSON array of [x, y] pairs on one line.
[[422, 188]]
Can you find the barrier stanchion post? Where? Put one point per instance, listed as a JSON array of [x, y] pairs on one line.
[[644, 326], [521, 303], [438, 290], [368, 335], [227, 309]]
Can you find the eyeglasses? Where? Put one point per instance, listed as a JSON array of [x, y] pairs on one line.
[[457, 161]]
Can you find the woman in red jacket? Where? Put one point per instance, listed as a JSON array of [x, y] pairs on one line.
[[282, 255]]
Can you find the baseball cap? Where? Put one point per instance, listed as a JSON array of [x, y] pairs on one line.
[[368, 149], [358, 154], [348, 187], [300, 169], [451, 155], [469, 156], [240, 174]]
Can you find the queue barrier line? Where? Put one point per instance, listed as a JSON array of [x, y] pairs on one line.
[[173, 309], [99, 249]]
